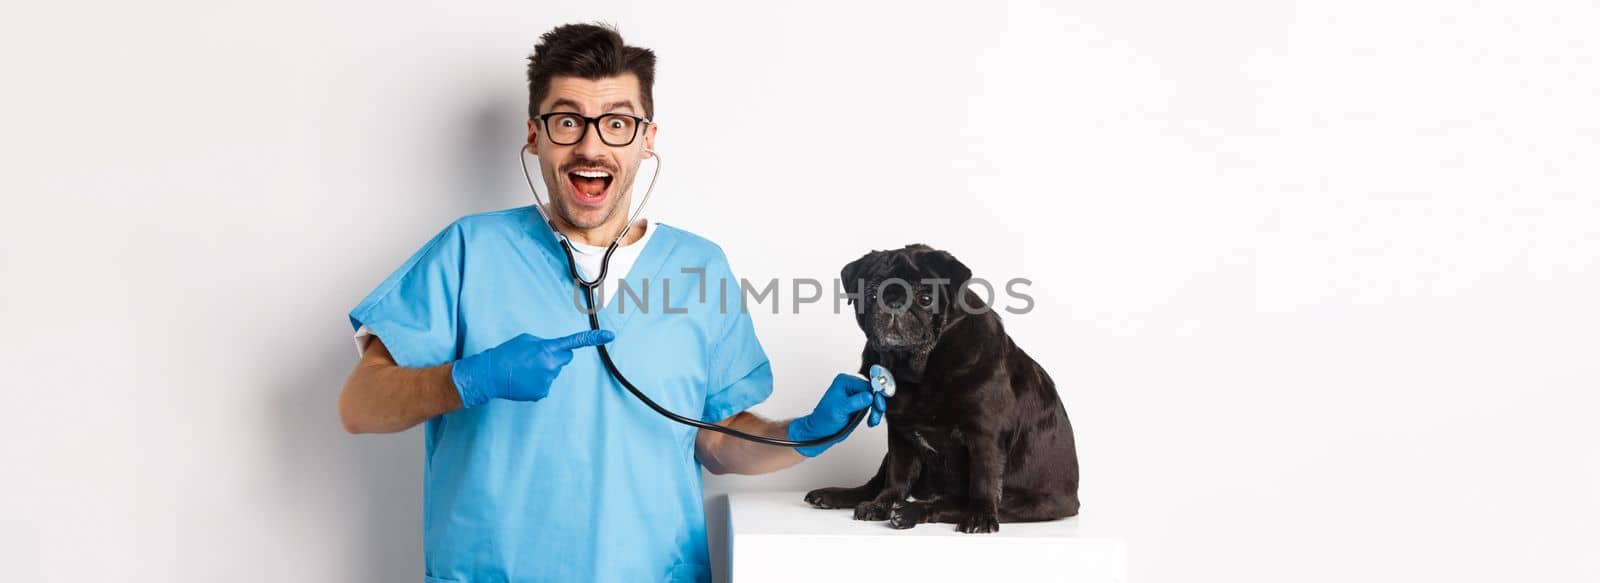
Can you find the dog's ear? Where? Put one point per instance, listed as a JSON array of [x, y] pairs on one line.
[[945, 266], [850, 276]]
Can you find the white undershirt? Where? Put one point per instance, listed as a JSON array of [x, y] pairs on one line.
[[588, 258]]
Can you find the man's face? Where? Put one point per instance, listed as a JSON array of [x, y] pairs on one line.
[[590, 181]]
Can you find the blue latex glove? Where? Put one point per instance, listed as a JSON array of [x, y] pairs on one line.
[[519, 369], [845, 396]]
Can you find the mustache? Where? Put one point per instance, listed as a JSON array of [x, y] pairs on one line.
[[582, 164]]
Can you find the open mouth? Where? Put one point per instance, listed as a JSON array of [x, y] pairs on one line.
[[589, 186]]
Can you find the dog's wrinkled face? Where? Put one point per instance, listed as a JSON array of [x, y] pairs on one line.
[[905, 296]]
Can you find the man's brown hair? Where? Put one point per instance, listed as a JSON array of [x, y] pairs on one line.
[[588, 51]]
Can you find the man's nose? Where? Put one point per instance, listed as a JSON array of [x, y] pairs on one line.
[[591, 146]]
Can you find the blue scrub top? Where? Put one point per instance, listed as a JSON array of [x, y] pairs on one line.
[[587, 484]]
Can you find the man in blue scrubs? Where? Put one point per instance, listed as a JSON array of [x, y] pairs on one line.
[[539, 466]]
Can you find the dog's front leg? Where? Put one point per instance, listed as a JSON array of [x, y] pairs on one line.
[[850, 497], [903, 467], [986, 464]]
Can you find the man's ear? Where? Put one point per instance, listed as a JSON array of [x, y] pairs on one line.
[[650, 137], [533, 139]]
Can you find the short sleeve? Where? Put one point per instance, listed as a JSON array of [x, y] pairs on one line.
[[414, 310], [740, 373]]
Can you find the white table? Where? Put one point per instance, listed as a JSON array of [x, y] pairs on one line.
[[776, 536]]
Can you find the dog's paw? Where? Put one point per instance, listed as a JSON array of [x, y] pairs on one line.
[[907, 515], [979, 522], [832, 498], [871, 510]]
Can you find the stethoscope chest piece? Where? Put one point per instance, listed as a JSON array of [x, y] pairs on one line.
[[882, 381]]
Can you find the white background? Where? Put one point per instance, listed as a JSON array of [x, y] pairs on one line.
[[1316, 279]]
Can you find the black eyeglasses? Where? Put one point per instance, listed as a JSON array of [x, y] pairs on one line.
[[565, 128]]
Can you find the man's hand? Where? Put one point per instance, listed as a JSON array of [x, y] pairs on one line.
[[520, 369], [844, 397]]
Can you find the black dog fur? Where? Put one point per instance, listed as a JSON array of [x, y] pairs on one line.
[[977, 433]]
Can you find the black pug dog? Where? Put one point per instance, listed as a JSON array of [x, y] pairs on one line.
[[977, 434]]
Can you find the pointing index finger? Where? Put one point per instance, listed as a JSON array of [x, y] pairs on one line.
[[582, 339]]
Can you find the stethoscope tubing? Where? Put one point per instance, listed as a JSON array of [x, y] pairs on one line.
[[605, 355]]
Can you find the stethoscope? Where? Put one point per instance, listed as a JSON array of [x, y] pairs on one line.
[[882, 381]]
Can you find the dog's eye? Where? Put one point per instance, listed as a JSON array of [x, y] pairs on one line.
[[872, 297], [925, 299]]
